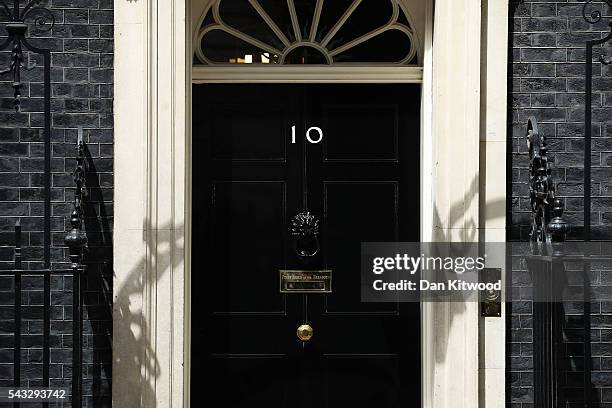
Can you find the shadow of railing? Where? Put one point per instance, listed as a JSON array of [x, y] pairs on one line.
[[98, 280]]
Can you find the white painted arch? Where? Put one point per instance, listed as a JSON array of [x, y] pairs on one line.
[[152, 195]]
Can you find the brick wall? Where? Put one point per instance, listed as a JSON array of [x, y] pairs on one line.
[[81, 43], [548, 70]]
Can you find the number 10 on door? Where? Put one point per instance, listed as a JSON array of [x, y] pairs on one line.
[[314, 135]]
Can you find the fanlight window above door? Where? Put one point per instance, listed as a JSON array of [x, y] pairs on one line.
[[324, 32]]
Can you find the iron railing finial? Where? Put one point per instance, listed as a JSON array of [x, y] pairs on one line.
[[17, 28], [76, 238]]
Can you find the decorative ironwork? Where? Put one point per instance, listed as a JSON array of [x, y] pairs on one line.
[[547, 227], [541, 186], [305, 224], [305, 230], [17, 28], [588, 104], [558, 227], [591, 13], [76, 239], [546, 330], [587, 171], [17, 273], [547, 223], [19, 21]]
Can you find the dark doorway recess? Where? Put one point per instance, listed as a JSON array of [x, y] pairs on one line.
[[249, 180]]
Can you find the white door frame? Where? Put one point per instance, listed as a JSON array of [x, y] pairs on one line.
[[348, 74], [152, 260]]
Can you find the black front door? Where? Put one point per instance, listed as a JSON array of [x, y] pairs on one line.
[[255, 166]]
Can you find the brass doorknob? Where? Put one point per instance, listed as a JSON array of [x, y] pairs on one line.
[[304, 332]]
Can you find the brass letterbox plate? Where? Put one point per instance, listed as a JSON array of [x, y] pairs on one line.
[[300, 281]]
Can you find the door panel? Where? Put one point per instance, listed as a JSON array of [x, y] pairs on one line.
[[360, 131], [238, 382], [247, 220], [249, 180], [349, 381], [242, 168], [232, 131], [355, 212]]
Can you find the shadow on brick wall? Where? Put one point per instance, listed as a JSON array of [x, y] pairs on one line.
[[98, 281]]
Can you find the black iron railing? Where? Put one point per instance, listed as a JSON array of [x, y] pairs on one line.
[[19, 20], [547, 229], [77, 344], [76, 241], [548, 269], [547, 266]]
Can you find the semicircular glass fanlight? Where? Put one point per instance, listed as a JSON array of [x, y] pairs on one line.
[[323, 32]]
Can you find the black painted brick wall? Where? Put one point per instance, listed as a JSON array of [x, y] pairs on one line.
[[82, 85], [547, 81]]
